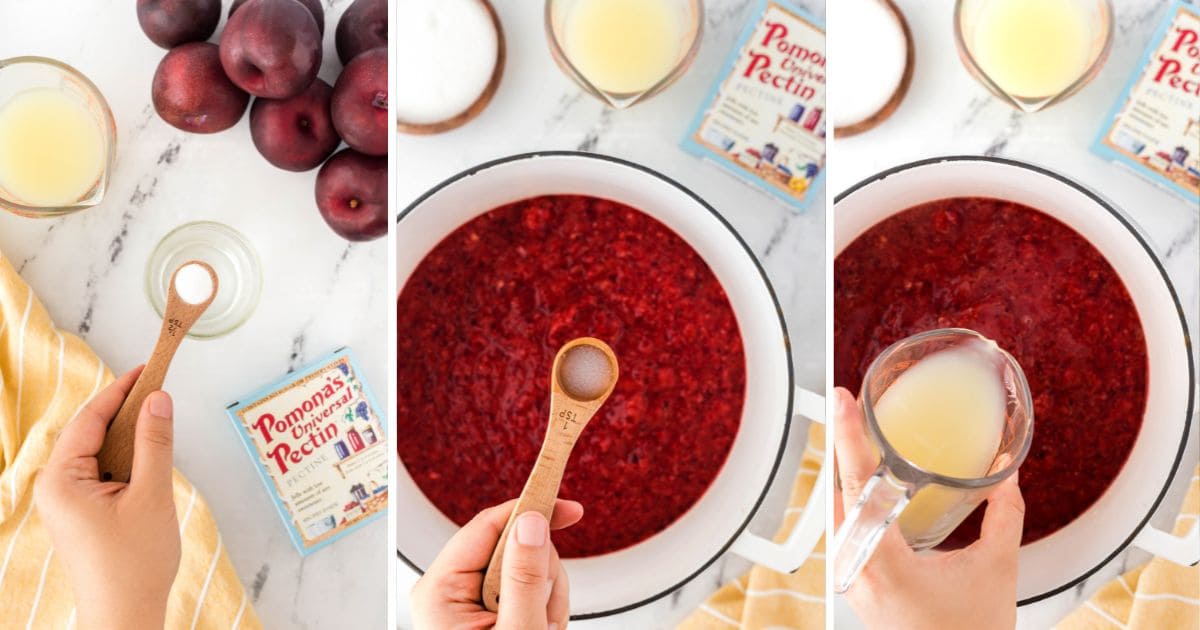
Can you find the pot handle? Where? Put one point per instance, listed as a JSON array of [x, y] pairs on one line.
[[788, 556], [1183, 549]]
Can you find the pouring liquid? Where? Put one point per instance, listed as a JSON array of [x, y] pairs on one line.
[[946, 414]]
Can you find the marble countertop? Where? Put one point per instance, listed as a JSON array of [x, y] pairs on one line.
[[538, 108], [946, 112], [319, 293]]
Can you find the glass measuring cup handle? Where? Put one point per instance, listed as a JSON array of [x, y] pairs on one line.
[[882, 500]]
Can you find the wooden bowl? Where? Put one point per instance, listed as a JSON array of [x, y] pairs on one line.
[[901, 88], [480, 103]]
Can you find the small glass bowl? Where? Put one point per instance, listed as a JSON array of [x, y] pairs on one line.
[[21, 74], [967, 15], [229, 254], [558, 12]]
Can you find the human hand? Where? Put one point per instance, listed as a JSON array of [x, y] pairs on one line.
[[118, 542], [533, 584], [973, 587]]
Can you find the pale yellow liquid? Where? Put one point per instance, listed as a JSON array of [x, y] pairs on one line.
[[52, 149], [946, 415], [623, 46], [1033, 48]]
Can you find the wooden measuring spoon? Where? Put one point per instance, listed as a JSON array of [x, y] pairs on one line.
[[116, 455], [576, 393]]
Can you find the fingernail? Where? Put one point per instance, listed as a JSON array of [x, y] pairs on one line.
[[552, 626], [160, 405], [532, 529]]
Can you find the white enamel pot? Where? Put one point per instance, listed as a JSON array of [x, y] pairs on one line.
[[618, 581], [1120, 517]]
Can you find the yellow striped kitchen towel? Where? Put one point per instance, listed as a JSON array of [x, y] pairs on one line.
[[1160, 594], [45, 377], [763, 598]]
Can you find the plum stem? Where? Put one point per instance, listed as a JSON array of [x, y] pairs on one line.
[[380, 100]]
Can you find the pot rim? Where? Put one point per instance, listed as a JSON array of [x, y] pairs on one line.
[[1137, 234], [787, 348]]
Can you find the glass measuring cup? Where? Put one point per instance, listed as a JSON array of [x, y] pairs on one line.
[[24, 76], [1027, 69], [626, 74], [937, 503]]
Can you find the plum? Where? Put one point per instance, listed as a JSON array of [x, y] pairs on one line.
[[352, 195], [295, 134], [271, 48], [190, 90], [362, 27], [169, 23], [360, 103], [314, 7]]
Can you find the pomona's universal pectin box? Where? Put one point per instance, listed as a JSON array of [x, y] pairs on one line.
[[1154, 127], [764, 118], [318, 443]]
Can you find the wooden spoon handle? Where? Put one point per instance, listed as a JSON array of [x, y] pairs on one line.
[[539, 495], [116, 455]]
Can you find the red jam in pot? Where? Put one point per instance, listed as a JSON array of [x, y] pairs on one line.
[[1043, 293], [479, 323]]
